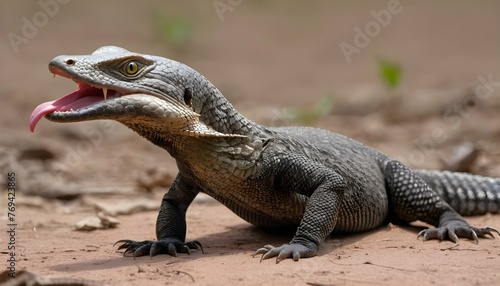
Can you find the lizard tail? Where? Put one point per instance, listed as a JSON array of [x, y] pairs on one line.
[[466, 193]]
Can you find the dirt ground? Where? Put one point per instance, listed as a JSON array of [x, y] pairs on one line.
[[269, 59]]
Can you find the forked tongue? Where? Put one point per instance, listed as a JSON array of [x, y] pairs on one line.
[[86, 95]]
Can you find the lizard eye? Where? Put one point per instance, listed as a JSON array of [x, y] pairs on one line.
[[131, 68]]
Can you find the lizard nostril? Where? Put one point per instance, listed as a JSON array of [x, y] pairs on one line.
[[70, 62]]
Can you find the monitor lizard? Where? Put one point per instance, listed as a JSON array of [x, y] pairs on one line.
[[304, 179]]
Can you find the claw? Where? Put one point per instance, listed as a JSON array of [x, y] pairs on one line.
[[475, 238], [487, 231], [141, 250], [426, 235], [260, 251], [194, 245], [127, 251], [453, 237], [122, 246], [296, 256], [185, 249], [421, 233], [170, 250], [125, 244], [263, 250], [270, 254]]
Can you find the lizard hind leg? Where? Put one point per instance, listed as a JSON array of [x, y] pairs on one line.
[[412, 199]]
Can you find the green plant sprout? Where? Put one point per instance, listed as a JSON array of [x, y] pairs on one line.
[[390, 72], [175, 31]]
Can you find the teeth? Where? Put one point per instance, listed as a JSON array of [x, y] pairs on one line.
[[105, 92]]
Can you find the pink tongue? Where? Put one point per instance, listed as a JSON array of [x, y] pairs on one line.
[[83, 97]]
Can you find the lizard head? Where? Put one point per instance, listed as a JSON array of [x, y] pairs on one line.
[[134, 89]]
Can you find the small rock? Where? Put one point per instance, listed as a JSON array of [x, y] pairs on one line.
[[101, 221]]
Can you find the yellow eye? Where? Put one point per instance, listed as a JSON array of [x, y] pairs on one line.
[[131, 68]]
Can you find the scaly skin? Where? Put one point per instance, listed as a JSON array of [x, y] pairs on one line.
[[310, 180]]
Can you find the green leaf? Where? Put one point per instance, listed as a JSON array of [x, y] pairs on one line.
[[172, 30], [390, 72]]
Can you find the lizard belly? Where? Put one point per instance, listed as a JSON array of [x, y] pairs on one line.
[[363, 210], [252, 199], [264, 208]]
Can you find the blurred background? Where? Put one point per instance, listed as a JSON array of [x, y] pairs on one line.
[[418, 80]]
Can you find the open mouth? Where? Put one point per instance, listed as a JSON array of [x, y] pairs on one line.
[[86, 95]]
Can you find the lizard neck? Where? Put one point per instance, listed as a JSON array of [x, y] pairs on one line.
[[218, 137], [200, 155], [215, 110]]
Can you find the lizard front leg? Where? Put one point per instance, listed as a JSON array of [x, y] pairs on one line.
[[170, 225], [325, 189]]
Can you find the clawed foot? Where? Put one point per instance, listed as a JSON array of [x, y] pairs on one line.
[[294, 251], [169, 246], [453, 231]]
